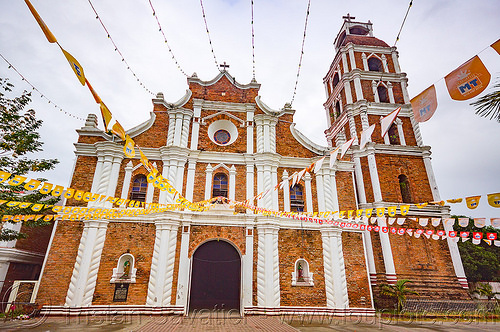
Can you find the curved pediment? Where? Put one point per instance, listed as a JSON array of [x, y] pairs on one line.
[[195, 79]]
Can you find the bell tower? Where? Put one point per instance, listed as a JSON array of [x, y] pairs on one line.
[[363, 84]]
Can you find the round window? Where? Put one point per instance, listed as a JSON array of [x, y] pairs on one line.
[[222, 136]]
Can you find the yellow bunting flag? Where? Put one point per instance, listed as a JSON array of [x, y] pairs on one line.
[[94, 94], [32, 184], [425, 104], [359, 213], [12, 203], [341, 214], [380, 212], [404, 209], [472, 202], [496, 46], [75, 65], [128, 148], [78, 195], [421, 205], [368, 212], [110, 123], [69, 193], [24, 205], [87, 196], [41, 23], [46, 188], [454, 200], [4, 176], [350, 214], [57, 191], [17, 180], [494, 200], [37, 207], [468, 80], [391, 211]]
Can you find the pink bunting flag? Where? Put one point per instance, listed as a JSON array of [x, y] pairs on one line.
[[366, 136]]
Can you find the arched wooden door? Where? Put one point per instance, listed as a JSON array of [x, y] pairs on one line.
[[215, 277]]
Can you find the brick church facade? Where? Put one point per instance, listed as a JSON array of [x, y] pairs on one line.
[[221, 139]]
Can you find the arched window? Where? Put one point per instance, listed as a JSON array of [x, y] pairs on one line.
[[219, 187], [139, 188], [335, 80], [374, 64], [404, 186], [383, 94], [301, 275], [296, 198], [393, 134]]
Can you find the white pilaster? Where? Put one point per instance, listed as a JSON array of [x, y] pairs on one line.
[[171, 128], [84, 278], [390, 269], [268, 286], [344, 62], [247, 263], [372, 167], [286, 191], [208, 181], [334, 269], [320, 191], [162, 265], [250, 181], [390, 92], [375, 92], [162, 199], [195, 132], [395, 60], [97, 174], [232, 183], [430, 176], [184, 264], [384, 63], [365, 62], [309, 200], [401, 134], [190, 180], [178, 129], [358, 88], [348, 93], [127, 179], [250, 137]]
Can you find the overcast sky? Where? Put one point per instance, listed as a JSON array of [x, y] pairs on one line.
[[438, 37]]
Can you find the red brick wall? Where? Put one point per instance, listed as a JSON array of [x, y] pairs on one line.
[[136, 239], [60, 263], [37, 240], [200, 234], [286, 145], [290, 249], [345, 190], [358, 285], [232, 94]]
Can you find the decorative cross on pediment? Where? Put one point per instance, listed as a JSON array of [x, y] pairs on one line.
[[224, 66], [348, 17]]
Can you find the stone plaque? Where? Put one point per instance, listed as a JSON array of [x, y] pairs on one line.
[[121, 292]]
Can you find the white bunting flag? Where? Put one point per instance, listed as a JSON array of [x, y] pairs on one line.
[[449, 221], [476, 241], [436, 221], [318, 165], [387, 121], [401, 221], [366, 136], [495, 222], [333, 156], [344, 147], [480, 222], [391, 221], [464, 222], [423, 221]]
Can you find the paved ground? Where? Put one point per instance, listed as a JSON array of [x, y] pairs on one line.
[[237, 324]]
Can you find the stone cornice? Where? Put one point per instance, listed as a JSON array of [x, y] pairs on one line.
[[268, 110], [159, 100], [141, 128], [20, 256], [401, 150]]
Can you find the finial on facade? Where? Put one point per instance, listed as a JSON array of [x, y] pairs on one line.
[[224, 66], [194, 75], [159, 95], [288, 106], [91, 121]]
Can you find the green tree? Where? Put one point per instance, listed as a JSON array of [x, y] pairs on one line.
[[489, 104], [398, 291], [485, 289], [18, 140], [481, 261]]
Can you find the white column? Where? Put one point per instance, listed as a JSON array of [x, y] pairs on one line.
[[127, 179], [178, 129], [348, 93], [309, 200], [184, 265], [267, 140], [384, 64], [390, 269], [390, 92], [179, 179], [401, 133], [250, 181], [352, 58], [185, 130], [84, 278], [286, 191], [416, 130], [334, 268], [344, 62], [162, 265], [357, 87], [430, 176], [455, 258], [320, 189], [372, 167], [195, 132], [232, 183], [395, 60], [208, 181], [162, 199], [171, 128], [274, 180], [268, 184], [4, 267], [97, 174], [16, 227], [360, 186], [365, 62], [248, 268], [268, 286], [375, 92], [370, 260], [404, 89], [250, 131], [190, 180], [333, 185], [260, 184]]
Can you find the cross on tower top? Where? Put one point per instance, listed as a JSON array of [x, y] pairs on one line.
[[224, 66], [348, 17]]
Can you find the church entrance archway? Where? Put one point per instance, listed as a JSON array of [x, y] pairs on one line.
[[215, 277]]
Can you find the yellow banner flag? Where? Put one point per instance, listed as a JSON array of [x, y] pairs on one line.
[[75, 65], [368, 213], [496, 46], [110, 123], [17, 180], [128, 148], [380, 212], [41, 23], [468, 80], [46, 188], [472, 202], [4, 176], [391, 210], [404, 209], [32, 184], [494, 200], [425, 104]]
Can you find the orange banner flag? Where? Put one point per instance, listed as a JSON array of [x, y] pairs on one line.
[[425, 104], [468, 80], [110, 123], [92, 91], [41, 23], [496, 46]]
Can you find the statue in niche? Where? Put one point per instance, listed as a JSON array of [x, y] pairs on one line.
[[300, 276], [126, 269]]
